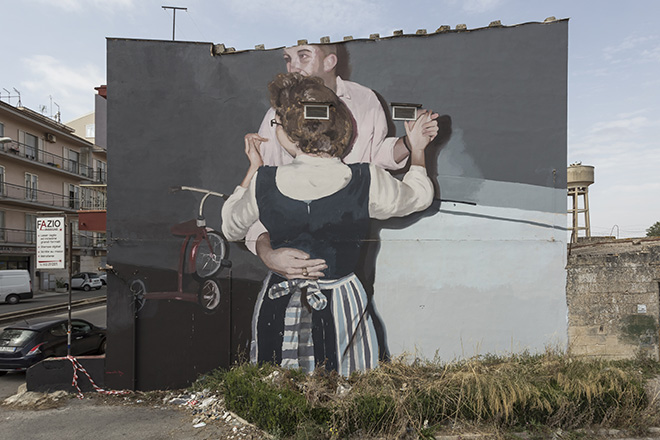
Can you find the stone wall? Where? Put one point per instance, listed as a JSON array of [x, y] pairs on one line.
[[613, 291]]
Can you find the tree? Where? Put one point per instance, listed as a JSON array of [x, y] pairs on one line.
[[653, 231]]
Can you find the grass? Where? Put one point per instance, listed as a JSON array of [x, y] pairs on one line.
[[517, 392]]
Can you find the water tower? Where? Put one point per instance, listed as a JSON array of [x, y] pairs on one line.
[[578, 178]]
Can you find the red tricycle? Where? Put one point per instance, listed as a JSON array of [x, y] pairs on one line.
[[202, 254]]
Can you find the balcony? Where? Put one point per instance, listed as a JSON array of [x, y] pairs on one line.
[[24, 237], [99, 176], [25, 196], [93, 200], [17, 149]]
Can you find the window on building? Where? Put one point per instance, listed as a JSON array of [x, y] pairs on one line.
[[31, 186], [3, 235], [74, 161], [101, 171], [85, 169], [85, 198], [103, 200], [2, 129], [73, 193], [75, 263], [99, 239], [30, 228], [31, 146], [90, 130], [2, 181], [81, 239]]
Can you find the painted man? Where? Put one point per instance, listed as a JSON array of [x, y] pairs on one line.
[[371, 145]]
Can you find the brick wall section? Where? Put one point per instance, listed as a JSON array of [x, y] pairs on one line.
[[613, 291]]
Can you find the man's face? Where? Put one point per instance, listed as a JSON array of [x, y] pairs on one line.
[[306, 60]]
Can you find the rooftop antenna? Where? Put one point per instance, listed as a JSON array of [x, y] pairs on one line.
[[58, 114], [174, 9], [19, 97]]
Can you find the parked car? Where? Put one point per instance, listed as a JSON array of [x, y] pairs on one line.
[[104, 277], [15, 285], [86, 281], [23, 345]]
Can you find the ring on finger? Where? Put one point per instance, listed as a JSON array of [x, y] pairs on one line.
[[304, 271]]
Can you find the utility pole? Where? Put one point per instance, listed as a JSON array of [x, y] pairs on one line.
[[174, 9]]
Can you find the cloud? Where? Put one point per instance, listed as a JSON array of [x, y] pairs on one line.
[[623, 148], [652, 54], [476, 6], [80, 5], [65, 83], [479, 6], [633, 48], [311, 15]]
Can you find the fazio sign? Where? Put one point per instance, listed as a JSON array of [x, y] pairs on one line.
[[50, 243]]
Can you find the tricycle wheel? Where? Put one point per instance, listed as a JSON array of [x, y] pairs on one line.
[[139, 291], [209, 295]]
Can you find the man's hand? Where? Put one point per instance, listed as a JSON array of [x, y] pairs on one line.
[[422, 131], [288, 262]]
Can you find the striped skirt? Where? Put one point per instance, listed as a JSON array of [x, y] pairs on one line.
[[336, 331]]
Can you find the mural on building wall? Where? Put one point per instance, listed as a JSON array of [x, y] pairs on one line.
[[317, 197], [412, 200]]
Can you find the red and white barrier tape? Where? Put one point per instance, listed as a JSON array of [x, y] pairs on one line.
[[77, 366]]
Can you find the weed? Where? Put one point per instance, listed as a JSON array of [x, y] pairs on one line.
[[538, 393]]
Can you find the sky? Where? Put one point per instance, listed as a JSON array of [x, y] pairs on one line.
[[53, 53]]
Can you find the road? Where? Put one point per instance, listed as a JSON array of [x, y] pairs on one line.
[[50, 298], [91, 418]]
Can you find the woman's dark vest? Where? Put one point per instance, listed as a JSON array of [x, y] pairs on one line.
[[331, 228]]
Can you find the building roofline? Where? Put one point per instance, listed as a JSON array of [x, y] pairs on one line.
[[45, 122], [221, 49]]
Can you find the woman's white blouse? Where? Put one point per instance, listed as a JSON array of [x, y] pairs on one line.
[[311, 178]]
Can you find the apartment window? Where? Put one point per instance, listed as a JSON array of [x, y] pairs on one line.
[[3, 236], [101, 171], [75, 234], [75, 263], [30, 228], [99, 239], [85, 169], [2, 181], [31, 186], [31, 146], [89, 130], [2, 129], [73, 193], [74, 161], [103, 200]]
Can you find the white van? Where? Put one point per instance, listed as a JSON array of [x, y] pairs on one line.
[[15, 285]]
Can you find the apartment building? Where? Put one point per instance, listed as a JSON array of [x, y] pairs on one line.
[[46, 168]]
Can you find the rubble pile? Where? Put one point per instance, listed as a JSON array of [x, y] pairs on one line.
[[207, 408], [32, 399]]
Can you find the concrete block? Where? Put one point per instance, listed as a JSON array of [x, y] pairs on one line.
[[55, 374]]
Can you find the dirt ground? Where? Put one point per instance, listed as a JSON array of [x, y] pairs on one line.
[[158, 415]]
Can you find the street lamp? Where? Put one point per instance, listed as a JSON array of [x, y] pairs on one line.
[[5, 140]]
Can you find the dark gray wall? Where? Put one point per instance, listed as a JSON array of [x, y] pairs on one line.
[[177, 116]]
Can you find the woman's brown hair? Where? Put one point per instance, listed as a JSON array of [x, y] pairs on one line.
[[288, 94]]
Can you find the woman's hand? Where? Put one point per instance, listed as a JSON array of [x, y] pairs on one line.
[[288, 262], [252, 143]]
